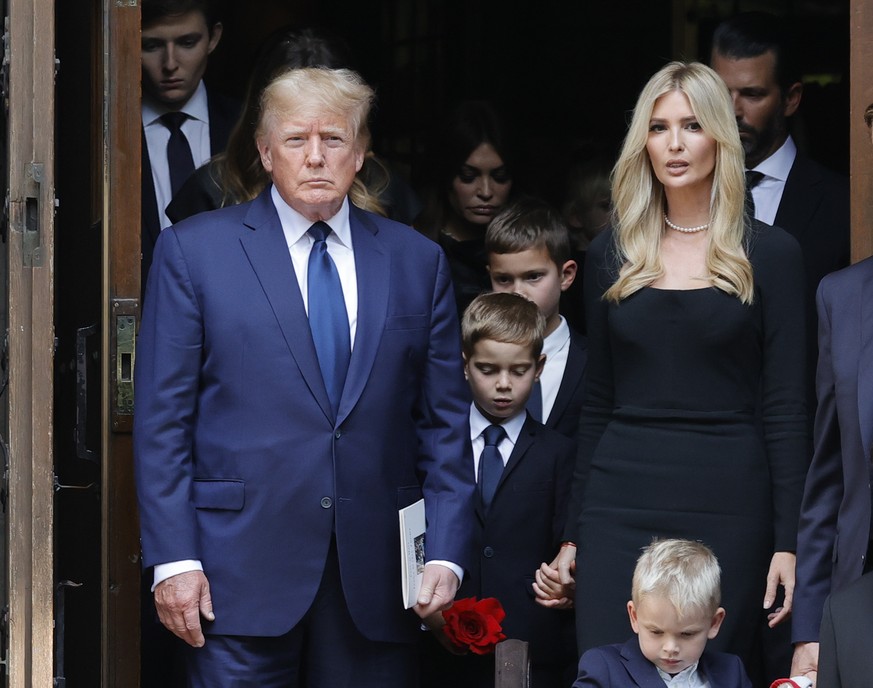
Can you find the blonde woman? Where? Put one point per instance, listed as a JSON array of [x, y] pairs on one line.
[[695, 421]]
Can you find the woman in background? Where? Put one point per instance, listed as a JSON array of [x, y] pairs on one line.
[[473, 181]]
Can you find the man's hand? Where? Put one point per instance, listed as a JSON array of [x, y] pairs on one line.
[[438, 587], [781, 572], [180, 601], [805, 661]]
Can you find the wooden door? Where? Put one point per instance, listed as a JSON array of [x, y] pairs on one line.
[[30, 311], [121, 293]]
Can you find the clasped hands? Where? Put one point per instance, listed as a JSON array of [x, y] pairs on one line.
[[555, 585]]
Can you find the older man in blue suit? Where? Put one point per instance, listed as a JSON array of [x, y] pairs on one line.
[[298, 381]]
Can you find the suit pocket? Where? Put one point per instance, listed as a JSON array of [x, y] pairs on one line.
[[407, 322], [220, 494]]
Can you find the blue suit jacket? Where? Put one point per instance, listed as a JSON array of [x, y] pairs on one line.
[[845, 660], [624, 666], [239, 460], [834, 529]]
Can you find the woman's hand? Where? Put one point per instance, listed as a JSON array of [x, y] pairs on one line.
[[781, 573]]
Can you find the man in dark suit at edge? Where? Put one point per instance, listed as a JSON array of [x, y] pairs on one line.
[[177, 38], [299, 379], [834, 535]]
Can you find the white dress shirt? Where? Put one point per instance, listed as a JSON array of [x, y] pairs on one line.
[[339, 246], [478, 423], [196, 130], [768, 193], [687, 678], [556, 347]]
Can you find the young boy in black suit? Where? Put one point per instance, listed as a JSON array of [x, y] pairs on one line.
[[523, 472], [674, 611], [529, 252]]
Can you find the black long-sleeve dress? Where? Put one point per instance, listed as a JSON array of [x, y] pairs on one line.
[[694, 427]]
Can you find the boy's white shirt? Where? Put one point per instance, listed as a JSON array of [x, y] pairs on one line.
[[687, 678], [556, 347], [478, 423]]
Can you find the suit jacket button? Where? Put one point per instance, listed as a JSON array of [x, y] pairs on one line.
[[338, 434], [488, 552], [326, 502]]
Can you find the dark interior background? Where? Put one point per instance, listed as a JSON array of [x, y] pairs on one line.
[[565, 72]]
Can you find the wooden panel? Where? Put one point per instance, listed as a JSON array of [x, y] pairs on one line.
[[31, 342], [512, 664], [861, 154], [121, 228]]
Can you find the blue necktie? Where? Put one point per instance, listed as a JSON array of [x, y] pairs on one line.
[[490, 464], [179, 158], [328, 319], [534, 404]]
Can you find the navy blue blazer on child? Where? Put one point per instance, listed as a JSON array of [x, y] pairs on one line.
[[624, 666], [567, 409], [520, 530]]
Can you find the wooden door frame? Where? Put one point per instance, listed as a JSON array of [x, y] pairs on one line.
[[861, 152], [121, 152], [30, 140]]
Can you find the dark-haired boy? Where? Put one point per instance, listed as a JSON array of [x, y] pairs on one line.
[[529, 252], [177, 38]]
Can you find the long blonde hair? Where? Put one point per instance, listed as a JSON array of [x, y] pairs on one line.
[[638, 195]]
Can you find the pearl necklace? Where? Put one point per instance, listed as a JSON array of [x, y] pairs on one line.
[[686, 230]]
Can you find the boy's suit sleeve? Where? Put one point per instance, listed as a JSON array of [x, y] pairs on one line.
[[593, 670]]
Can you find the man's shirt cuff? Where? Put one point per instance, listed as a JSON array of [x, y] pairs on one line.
[[174, 568], [454, 568]]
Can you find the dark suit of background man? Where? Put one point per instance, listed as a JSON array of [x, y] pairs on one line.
[[177, 39], [754, 56], [833, 539], [757, 60], [255, 461]]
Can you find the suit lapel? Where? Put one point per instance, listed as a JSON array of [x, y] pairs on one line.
[[569, 382], [865, 361], [372, 266], [643, 672], [522, 444], [525, 439], [799, 199], [268, 254]]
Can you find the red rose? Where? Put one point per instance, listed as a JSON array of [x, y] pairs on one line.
[[474, 625]]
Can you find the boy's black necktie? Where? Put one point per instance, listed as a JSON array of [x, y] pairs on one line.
[[490, 463]]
